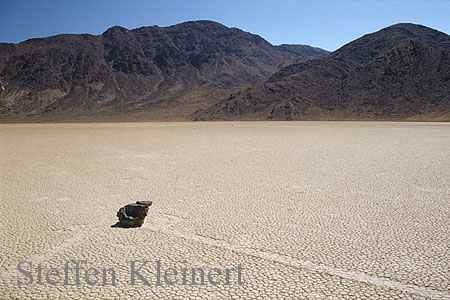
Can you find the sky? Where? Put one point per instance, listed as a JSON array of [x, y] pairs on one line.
[[328, 24]]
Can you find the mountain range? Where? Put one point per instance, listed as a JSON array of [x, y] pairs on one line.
[[203, 70], [150, 72], [401, 72]]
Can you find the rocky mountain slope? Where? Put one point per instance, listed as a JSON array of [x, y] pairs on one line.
[[149, 72], [401, 72]]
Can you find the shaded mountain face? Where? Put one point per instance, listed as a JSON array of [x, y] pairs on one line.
[[167, 71], [401, 72]]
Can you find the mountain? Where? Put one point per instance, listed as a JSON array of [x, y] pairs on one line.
[[149, 72], [401, 72]]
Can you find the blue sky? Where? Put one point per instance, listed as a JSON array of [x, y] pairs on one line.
[[326, 24]]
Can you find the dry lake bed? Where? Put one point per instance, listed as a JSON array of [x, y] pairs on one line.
[[259, 210]]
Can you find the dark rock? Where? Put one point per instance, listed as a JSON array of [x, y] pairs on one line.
[[133, 214], [147, 203]]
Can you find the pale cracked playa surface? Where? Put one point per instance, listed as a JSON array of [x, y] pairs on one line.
[[311, 210]]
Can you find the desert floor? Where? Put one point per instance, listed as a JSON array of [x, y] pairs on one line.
[[310, 210]]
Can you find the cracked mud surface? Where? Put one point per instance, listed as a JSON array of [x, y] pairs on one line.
[[311, 210]]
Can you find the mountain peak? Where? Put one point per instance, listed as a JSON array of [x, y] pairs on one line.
[[201, 23], [410, 26], [403, 31], [115, 30]]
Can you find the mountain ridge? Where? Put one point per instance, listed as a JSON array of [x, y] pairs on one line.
[[203, 70], [401, 72], [173, 69]]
